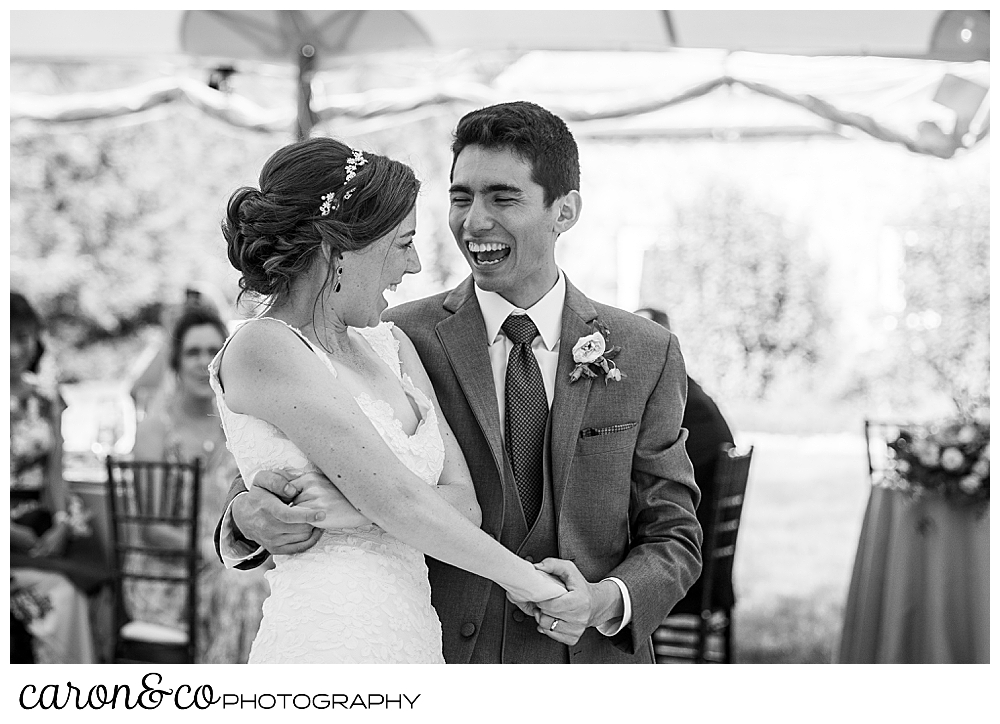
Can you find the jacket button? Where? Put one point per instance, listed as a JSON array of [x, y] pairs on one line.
[[529, 559], [519, 615], [467, 629]]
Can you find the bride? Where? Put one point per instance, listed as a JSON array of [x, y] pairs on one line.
[[318, 383]]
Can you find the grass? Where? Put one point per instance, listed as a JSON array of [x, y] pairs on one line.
[[801, 522], [788, 631]]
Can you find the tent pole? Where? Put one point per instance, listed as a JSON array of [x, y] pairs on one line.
[[305, 118]]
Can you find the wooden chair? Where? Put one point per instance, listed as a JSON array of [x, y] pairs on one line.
[[878, 435], [140, 495], [707, 638]]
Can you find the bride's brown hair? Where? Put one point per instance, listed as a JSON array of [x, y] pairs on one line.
[[274, 232]]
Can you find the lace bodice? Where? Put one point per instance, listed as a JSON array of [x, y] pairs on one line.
[[258, 445], [359, 595]]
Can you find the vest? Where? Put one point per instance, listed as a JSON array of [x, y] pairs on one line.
[[506, 634]]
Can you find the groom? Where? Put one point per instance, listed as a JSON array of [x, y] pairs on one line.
[[575, 449]]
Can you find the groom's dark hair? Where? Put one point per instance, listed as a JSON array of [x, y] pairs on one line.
[[536, 135]]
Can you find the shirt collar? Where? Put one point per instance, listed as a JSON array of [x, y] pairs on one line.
[[546, 313]]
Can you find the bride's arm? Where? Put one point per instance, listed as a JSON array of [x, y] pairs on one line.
[[455, 484], [270, 374]]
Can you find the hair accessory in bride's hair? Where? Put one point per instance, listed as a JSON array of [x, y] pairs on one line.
[[351, 167], [330, 202]]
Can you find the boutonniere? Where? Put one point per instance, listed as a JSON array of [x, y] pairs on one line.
[[594, 355]]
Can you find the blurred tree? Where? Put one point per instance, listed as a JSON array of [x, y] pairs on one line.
[[941, 339], [109, 223], [743, 293]]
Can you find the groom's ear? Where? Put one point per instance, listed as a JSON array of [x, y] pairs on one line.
[[569, 206]]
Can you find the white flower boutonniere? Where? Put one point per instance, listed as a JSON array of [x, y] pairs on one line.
[[594, 355]]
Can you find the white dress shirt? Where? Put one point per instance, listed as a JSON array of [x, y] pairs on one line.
[[546, 313]]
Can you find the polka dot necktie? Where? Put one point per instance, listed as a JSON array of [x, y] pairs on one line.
[[527, 410]]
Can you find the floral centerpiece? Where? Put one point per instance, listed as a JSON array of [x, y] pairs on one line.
[[951, 460]]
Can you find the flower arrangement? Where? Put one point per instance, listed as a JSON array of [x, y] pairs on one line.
[[594, 356], [951, 460]]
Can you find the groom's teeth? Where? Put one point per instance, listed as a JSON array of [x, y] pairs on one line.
[[475, 246]]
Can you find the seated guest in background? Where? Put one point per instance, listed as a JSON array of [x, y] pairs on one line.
[[151, 382], [707, 432], [184, 427], [55, 559]]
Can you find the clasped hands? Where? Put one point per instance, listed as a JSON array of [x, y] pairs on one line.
[[317, 505], [565, 617]]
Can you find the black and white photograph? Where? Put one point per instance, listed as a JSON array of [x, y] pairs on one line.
[[545, 334]]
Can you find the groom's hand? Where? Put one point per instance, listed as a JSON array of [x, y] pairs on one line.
[[264, 515], [584, 604], [317, 493], [529, 608]]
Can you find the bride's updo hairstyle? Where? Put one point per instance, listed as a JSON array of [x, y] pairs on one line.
[[313, 194]]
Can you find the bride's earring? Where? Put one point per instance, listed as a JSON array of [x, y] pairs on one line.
[[340, 271]]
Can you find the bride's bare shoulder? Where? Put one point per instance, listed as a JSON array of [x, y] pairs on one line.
[[263, 345]]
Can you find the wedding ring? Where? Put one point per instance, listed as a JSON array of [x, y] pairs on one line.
[[555, 622]]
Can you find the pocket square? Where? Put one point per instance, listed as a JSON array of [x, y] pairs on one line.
[[592, 431]]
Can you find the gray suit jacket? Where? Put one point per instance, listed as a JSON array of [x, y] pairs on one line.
[[623, 488]]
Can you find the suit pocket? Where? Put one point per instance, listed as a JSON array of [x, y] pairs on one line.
[[609, 430], [602, 440]]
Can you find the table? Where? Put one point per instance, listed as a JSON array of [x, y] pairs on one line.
[[920, 590]]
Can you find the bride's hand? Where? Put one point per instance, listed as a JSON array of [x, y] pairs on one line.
[[318, 493], [537, 588]]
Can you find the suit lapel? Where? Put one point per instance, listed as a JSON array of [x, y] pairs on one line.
[[463, 338], [570, 399]]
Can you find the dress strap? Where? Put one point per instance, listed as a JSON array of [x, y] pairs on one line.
[[297, 331], [385, 344], [213, 368]]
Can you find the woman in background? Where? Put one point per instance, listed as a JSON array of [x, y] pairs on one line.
[[184, 428], [151, 382], [54, 558]]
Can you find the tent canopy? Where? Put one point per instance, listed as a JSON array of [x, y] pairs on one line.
[[90, 34], [899, 93]]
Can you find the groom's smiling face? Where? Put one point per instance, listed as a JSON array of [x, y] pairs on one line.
[[503, 228]]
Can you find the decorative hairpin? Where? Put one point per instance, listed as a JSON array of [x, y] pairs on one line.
[[351, 167], [329, 204], [329, 200]]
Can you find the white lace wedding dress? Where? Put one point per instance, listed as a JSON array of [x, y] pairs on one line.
[[359, 595]]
